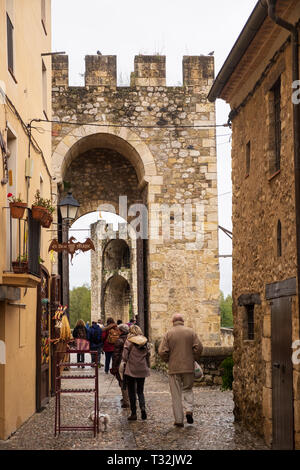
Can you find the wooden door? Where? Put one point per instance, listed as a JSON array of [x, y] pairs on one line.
[[43, 346], [142, 294], [282, 374]]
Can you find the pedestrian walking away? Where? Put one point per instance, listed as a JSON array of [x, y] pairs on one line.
[[180, 348], [94, 337], [117, 368], [80, 332], [110, 334], [136, 356]]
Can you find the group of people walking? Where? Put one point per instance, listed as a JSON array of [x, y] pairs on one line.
[[129, 350]]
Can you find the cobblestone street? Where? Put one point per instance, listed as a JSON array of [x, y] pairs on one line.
[[213, 426]]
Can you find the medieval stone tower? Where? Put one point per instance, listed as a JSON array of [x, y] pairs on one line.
[[113, 273], [148, 151]]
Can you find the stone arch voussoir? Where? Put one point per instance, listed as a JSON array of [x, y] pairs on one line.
[[142, 158]]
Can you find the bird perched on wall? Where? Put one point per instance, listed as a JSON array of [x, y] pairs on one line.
[[211, 53], [99, 53]]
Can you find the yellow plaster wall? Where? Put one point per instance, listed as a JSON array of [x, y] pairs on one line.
[[18, 326]]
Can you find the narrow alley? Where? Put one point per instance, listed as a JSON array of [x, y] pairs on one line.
[[213, 427]]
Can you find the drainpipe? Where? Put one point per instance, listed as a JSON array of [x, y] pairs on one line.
[[296, 118]]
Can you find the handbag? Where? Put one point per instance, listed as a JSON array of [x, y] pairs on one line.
[[198, 372], [82, 344], [122, 369]]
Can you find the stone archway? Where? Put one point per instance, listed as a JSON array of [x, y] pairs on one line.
[[117, 299], [116, 255], [99, 168], [158, 131], [85, 137]]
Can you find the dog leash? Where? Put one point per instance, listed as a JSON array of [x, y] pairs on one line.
[[103, 396]]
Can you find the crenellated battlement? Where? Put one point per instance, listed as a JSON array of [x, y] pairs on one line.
[[149, 70]]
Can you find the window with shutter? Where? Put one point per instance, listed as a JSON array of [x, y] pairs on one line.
[[10, 44]]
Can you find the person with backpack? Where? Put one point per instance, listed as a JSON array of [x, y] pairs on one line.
[[94, 337], [110, 335]]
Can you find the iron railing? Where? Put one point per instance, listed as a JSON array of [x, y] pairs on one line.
[[25, 243]]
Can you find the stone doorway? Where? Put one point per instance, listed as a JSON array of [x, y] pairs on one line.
[[117, 300]]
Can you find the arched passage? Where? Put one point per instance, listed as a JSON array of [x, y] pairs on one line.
[[117, 299], [100, 166], [116, 255], [80, 139]]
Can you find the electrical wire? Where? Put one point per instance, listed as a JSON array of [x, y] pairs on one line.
[[134, 126], [162, 140], [27, 130]]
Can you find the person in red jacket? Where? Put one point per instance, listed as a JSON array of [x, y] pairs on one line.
[[110, 334]]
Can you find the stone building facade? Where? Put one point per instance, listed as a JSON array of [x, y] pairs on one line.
[[113, 273], [155, 145], [256, 80]]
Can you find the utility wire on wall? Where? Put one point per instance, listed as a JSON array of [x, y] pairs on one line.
[[134, 126]]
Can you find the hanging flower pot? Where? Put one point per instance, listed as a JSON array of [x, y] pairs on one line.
[[20, 267], [17, 206], [17, 209], [47, 220], [39, 213], [42, 210]]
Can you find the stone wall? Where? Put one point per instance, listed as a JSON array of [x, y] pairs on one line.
[[168, 136], [227, 338], [210, 362], [261, 198]]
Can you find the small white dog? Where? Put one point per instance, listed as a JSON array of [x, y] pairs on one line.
[[103, 420]]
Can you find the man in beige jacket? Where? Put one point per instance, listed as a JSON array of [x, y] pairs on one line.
[[180, 347]]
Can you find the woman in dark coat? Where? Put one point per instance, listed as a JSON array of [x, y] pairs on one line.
[[136, 356], [116, 363], [108, 345], [80, 332]]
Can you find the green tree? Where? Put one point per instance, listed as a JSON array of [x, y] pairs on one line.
[[226, 311], [80, 304]]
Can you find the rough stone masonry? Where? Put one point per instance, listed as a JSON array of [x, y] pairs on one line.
[[156, 145]]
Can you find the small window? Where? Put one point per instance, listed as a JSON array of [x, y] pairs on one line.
[[276, 97], [43, 14], [10, 44], [279, 240], [44, 91], [249, 322], [248, 155]]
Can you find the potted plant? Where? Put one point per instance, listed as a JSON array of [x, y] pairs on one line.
[[20, 266], [42, 210], [17, 206], [48, 219]]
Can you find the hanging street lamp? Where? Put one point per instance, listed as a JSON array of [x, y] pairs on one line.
[[68, 208]]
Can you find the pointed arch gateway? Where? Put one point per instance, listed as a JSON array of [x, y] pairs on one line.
[[99, 164]]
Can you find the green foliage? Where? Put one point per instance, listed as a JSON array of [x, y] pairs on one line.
[[80, 304], [227, 375], [226, 311], [40, 201]]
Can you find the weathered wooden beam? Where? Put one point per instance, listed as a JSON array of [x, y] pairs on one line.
[[281, 289]]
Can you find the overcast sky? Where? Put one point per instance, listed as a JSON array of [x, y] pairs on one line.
[[169, 27]]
